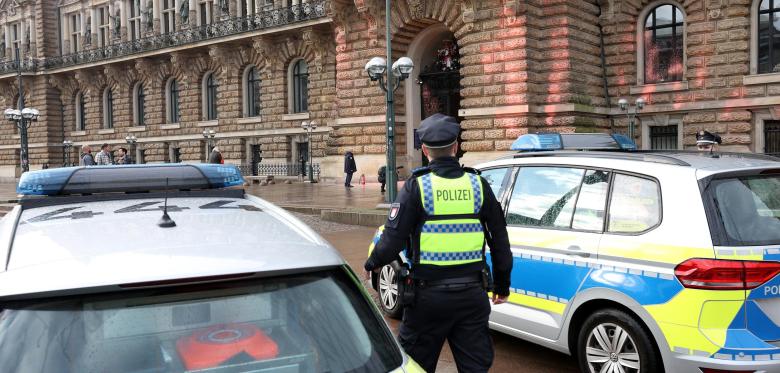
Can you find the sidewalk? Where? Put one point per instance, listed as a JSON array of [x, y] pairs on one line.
[[333, 202]]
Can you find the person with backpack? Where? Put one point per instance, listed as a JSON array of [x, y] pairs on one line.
[[382, 178]]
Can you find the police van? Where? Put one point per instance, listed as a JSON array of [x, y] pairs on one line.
[[635, 261], [170, 268]]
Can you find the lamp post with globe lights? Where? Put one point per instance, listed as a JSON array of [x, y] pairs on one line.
[[131, 141], [377, 68], [639, 104], [23, 119], [67, 146], [209, 135], [309, 127]]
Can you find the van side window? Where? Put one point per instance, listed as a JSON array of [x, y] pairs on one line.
[[544, 196], [495, 178], [635, 205], [589, 214]]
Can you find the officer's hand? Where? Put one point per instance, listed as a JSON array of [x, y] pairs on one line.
[[498, 299]]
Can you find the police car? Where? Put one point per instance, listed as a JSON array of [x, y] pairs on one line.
[[637, 261], [170, 268]]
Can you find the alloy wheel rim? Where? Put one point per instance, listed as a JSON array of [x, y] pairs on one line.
[[610, 349], [388, 289]]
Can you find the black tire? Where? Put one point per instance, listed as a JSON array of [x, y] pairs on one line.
[[637, 350], [386, 285]]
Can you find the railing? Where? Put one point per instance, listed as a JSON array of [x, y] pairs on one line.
[[310, 10], [287, 169]]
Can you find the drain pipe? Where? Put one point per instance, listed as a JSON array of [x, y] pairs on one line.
[[604, 70]]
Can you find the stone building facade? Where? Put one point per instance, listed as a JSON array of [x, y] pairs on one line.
[[252, 71]]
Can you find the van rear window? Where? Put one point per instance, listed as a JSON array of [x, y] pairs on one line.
[[749, 208]]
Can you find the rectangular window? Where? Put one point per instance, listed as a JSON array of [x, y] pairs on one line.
[[772, 137], [75, 33], [103, 27], [663, 137], [135, 19], [168, 16], [206, 8], [635, 205], [16, 38], [544, 197]]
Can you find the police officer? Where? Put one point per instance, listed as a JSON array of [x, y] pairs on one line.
[[449, 212], [707, 142]]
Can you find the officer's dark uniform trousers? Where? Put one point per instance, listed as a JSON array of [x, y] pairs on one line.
[[451, 303]]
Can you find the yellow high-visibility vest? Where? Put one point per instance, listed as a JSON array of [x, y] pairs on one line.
[[452, 233]]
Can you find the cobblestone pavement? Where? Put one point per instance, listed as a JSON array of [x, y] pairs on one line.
[[512, 354]]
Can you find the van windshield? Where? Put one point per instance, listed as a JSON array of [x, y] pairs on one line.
[[749, 208], [316, 322]]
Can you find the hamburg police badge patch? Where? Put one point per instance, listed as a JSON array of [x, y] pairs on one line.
[[395, 208]]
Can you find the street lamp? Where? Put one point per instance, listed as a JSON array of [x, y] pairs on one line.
[[377, 68], [23, 119], [209, 135], [309, 127], [639, 104], [131, 140], [67, 145]]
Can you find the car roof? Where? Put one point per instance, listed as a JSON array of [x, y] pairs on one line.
[[91, 244], [705, 163]]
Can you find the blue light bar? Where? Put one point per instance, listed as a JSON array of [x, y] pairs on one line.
[[538, 142], [572, 141], [130, 178], [624, 141]]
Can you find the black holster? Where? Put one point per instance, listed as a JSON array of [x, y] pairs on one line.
[[406, 286], [487, 279]]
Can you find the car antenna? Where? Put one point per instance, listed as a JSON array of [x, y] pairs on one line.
[[166, 221]]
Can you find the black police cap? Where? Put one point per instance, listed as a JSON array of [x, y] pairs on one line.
[[439, 130], [705, 137]]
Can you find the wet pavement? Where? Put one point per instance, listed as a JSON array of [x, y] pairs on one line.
[[320, 195], [512, 354]]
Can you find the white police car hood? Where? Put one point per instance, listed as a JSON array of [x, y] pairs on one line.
[[97, 244]]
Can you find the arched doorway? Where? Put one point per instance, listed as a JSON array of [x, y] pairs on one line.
[[437, 83]]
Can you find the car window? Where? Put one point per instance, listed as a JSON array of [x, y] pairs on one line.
[[495, 178], [635, 205], [591, 203], [317, 322], [544, 196], [749, 208]]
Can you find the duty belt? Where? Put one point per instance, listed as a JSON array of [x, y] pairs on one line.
[[451, 283]]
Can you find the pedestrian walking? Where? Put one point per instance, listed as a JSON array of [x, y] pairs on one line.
[[382, 178], [103, 157], [449, 212], [349, 168], [707, 142], [86, 159], [123, 157], [216, 156]]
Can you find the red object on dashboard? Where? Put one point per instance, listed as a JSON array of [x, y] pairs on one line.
[[212, 346]]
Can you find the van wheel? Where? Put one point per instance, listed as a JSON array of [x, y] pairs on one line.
[[387, 287], [610, 340]]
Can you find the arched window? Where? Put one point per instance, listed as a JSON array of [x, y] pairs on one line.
[[300, 87], [252, 106], [139, 105], [769, 36], [210, 97], [172, 101], [80, 112], [108, 109], [663, 44]]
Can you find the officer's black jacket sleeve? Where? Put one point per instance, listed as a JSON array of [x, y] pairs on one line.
[[398, 230], [498, 239]]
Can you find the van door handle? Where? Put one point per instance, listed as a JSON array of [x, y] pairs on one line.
[[575, 250]]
